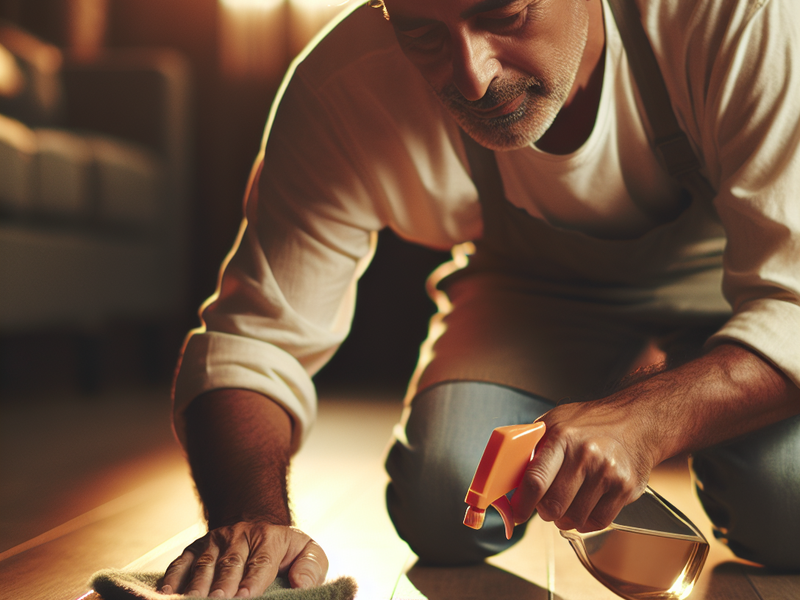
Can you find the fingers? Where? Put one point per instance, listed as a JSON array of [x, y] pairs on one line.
[[310, 567], [178, 572], [259, 572], [246, 567], [537, 480], [230, 568], [586, 475], [264, 562], [576, 482], [594, 506], [242, 560], [193, 571], [600, 517]]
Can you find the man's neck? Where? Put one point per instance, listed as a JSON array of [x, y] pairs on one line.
[[575, 121]]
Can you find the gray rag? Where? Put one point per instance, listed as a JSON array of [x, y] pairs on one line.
[[120, 585]]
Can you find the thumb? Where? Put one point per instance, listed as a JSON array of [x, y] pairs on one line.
[[309, 567]]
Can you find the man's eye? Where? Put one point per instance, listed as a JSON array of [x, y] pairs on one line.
[[418, 32], [505, 24], [422, 39]]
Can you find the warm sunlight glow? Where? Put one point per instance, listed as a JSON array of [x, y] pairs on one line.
[[318, 3], [258, 38], [268, 4], [253, 38], [681, 588], [251, 4]]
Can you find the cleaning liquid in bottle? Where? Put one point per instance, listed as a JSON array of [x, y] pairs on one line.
[[651, 551]]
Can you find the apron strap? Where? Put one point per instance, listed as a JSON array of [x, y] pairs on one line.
[[672, 145]]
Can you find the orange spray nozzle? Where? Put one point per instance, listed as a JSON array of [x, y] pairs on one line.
[[507, 454]]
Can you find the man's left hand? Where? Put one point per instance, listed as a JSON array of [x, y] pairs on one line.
[[595, 458]]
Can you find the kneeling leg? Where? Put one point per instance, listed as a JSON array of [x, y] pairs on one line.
[[750, 489], [433, 459]]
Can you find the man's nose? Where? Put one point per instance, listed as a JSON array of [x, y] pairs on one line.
[[475, 66]]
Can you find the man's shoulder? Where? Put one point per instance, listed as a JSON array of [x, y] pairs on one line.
[[356, 73], [696, 41], [355, 41], [673, 22]]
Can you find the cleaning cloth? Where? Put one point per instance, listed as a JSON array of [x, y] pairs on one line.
[[120, 585]]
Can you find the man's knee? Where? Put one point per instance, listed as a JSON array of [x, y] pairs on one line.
[[750, 490], [427, 508], [432, 466]]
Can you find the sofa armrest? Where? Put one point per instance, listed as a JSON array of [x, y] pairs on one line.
[[139, 95]]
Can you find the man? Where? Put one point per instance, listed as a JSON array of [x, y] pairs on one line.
[[586, 256]]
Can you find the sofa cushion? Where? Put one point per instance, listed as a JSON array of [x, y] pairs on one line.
[[127, 183], [59, 175], [63, 175]]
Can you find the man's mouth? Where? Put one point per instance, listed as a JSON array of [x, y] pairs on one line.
[[501, 110]]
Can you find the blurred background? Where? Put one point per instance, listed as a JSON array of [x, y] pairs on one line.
[[127, 132]]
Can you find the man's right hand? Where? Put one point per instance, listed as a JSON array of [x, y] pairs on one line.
[[242, 560], [238, 444]]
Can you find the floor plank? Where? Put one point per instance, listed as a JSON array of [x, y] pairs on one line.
[[60, 568], [338, 485], [63, 456], [725, 581], [771, 586]]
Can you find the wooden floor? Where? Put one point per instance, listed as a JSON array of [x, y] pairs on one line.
[[94, 484]]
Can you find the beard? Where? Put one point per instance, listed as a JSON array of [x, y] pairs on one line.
[[521, 127]]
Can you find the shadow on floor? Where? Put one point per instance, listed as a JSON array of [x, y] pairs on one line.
[[738, 581], [476, 582]]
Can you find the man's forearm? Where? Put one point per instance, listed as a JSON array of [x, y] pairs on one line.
[[597, 456], [726, 393], [238, 444]]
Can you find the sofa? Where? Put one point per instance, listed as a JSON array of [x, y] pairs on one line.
[[94, 164]]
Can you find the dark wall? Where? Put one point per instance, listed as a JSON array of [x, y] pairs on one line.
[[392, 314]]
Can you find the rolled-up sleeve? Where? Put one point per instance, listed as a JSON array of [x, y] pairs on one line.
[[286, 293]]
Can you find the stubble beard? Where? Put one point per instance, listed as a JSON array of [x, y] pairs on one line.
[[543, 99], [523, 126]]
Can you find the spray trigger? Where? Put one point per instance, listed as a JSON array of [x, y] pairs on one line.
[[503, 506]]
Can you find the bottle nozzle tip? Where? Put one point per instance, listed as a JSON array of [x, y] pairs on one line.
[[474, 517]]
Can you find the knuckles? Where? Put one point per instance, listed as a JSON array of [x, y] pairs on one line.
[[259, 561], [205, 561], [533, 483], [230, 562], [179, 563], [551, 509]]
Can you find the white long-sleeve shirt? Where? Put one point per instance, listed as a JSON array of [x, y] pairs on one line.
[[357, 142]]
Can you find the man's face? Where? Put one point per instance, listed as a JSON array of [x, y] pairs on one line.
[[503, 68]]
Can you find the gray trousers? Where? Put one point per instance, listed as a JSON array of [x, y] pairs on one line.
[[750, 488]]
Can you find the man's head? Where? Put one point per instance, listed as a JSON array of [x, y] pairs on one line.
[[503, 68]]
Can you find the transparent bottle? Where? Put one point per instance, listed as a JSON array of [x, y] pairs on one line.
[[650, 552]]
